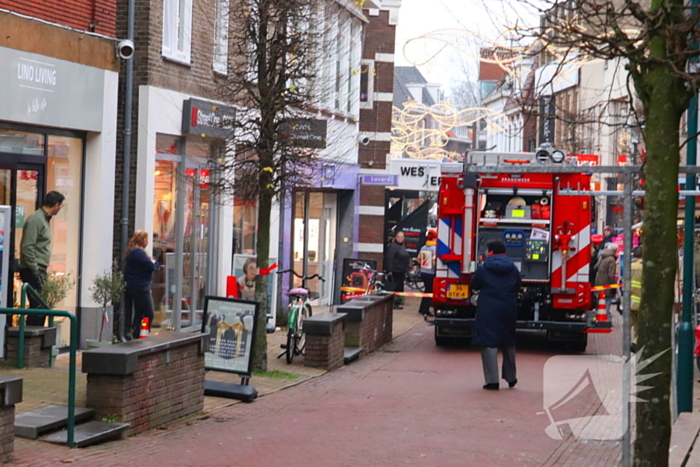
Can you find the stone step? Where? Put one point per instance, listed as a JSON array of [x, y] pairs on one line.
[[683, 450], [37, 422], [89, 433], [352, 353]]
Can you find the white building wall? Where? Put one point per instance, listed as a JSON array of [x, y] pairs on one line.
[[98, 200]]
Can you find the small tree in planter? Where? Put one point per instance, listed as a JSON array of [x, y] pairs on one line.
[[107, 288], [55, 288]]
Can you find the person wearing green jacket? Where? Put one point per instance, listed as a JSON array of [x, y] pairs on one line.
[[35, 248]]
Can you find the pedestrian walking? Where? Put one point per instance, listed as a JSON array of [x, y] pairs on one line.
[[396, 266], [498, 283], [426, 258], [606, 269], [138, 274], [35, 248], [636, 292]]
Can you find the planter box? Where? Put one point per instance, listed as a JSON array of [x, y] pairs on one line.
[[369, 321], [147, 382], [38, 343], [325, 340]]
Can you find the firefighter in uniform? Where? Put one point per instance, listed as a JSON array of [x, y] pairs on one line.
[[636, 295]]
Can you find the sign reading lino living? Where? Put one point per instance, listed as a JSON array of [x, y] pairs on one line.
[[305, 133], [207, 119]]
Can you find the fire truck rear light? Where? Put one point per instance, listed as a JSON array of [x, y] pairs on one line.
[[450, 257]]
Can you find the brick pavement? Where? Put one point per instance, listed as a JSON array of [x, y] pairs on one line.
[[407, 404]]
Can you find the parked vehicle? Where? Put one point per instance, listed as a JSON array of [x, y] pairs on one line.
[[547, 233]]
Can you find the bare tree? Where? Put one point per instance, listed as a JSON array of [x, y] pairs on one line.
[[654, 39], [275, 145]]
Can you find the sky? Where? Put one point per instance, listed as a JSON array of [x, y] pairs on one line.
[[460, 23]]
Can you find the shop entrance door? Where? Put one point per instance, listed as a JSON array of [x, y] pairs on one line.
[[314, 242], [195, 258], [21, 187], [183, 241]]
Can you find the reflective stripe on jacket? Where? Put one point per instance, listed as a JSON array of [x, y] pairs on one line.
[[636, 283]]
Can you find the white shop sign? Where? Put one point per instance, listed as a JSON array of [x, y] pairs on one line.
[[416, 174], [41, 90]]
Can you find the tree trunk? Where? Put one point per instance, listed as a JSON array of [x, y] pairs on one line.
[[664, 105], [261, 282]]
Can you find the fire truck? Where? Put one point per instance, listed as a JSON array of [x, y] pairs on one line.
[[546, 231]]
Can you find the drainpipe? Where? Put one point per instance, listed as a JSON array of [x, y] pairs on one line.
[[128, 104]]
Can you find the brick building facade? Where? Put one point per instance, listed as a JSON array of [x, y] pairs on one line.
[[174, 62], [375, 122], [98, 16]]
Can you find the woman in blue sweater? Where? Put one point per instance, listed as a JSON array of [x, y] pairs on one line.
[[138, 272]]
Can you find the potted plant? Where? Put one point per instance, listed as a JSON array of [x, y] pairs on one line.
[[55, 288], [106, 289]]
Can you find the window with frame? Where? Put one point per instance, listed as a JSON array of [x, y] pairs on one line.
[[221, 36], [177, 30], [367, 84]]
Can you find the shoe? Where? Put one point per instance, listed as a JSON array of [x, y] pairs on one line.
[[633, 347], [398, 307], [511, 384], [491, 386]]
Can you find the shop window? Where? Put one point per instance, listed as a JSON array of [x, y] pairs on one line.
[[64, 174], [221, 36], [20, 142], [245, 220], [177, 30]]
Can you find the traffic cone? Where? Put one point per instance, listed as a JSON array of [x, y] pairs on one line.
[[602, 313], [145, 328], [601, 317]]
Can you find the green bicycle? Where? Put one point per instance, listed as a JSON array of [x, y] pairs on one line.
[[299, 310]]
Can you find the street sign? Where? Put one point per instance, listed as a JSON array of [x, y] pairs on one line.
[[230, 323], [383, 180], [305, 133]]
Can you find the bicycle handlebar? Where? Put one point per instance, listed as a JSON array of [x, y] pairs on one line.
[[308, 278]]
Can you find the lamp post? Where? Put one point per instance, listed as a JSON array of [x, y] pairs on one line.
[[684, 380]]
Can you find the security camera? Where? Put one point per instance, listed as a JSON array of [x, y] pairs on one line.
[[125, 49], [363, 140]]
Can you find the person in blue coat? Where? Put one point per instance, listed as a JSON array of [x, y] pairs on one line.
[[138, 275], [498, 283]]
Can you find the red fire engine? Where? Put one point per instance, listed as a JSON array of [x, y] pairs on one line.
[[547, 234]]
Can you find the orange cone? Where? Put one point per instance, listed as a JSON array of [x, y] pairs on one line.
[[145, 328], [601, 317]]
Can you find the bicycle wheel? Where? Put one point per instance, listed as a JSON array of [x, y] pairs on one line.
[[301, 335], [291, 335]]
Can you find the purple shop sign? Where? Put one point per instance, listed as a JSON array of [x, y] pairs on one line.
[[386, 180]]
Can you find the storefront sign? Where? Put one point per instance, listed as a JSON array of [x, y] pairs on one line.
[[46, 91], [547, 119], [208, 119], [230, 324], [587, 159], [305, 133], [416, 174], [356, 277], [384, 180]]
